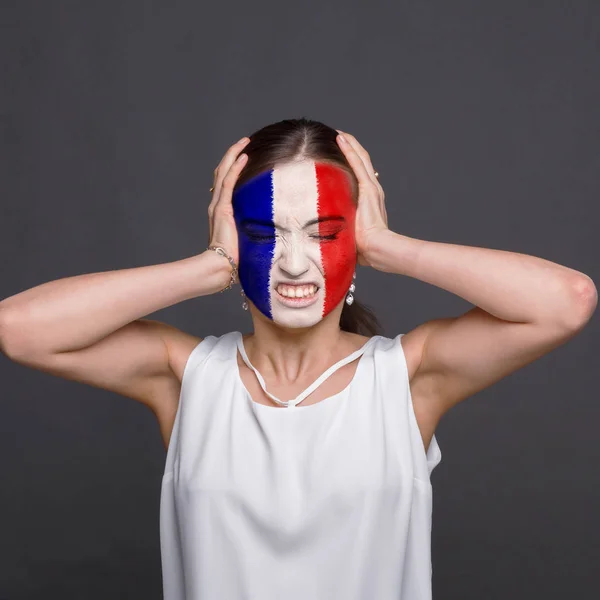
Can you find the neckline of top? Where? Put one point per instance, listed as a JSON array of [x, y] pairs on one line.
[[239, 345]]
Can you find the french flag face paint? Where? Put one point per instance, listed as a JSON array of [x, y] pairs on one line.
[[295, 226]]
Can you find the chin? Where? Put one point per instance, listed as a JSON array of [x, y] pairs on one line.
[[297, 322], [296, 317]]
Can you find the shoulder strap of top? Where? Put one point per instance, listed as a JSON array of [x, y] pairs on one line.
[[433, 456], [312, 386]]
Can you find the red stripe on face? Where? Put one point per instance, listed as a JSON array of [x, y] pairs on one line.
[[338, 255]]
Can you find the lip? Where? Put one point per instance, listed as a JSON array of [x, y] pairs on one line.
[[297, 302]]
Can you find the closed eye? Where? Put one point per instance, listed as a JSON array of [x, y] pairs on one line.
[[258, 233], [331, 236], [257, 237]]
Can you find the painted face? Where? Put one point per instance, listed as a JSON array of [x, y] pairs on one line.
[[295, 225]]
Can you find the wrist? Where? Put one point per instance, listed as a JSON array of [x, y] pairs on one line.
[[377, 248], [387, 251], [227, 266], [213, 273]]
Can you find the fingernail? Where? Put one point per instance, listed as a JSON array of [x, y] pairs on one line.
[[243, 140], [342, 138], [242, 157]]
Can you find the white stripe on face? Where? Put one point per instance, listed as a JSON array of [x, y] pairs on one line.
[[297, 255]]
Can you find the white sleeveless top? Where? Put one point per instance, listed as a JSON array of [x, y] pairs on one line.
[[328, 501]]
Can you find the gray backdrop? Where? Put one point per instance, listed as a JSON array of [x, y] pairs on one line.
[[482, 119]]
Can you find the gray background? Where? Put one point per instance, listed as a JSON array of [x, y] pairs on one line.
[[482, 119]]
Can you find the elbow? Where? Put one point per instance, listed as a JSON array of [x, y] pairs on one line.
[[10, 340], [584, 301]]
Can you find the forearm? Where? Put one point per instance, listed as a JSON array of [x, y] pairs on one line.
[[75, 312], [511, 286]]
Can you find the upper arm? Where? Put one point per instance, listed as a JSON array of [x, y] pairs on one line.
[[142, 360], [460, 356]]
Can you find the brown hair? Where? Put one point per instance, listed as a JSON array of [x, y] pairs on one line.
[[295, 139]]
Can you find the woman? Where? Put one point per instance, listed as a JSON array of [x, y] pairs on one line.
[[329, 497]]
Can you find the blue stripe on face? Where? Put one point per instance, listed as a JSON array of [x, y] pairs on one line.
[[253, 201]]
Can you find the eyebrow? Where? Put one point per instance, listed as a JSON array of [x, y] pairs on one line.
[[340, 218]]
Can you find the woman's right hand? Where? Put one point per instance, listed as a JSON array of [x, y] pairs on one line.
[[222, 229]]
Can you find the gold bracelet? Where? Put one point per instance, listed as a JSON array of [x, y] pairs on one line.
[[222, 252]]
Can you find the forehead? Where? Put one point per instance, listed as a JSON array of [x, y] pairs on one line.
[[301, 190]]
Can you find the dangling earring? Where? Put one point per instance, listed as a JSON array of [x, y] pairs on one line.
[[244, 303], [350, 297]]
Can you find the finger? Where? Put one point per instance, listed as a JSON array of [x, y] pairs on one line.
[[230, 155], [365, 158], [364, 155], [223, 167], [220, 172], [226, 192], [355, 160], [221, 202]]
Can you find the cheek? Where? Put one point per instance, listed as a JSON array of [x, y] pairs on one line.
[[339, 260], [254, 269], [253, 255]]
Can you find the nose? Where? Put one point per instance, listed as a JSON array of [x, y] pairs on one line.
[[294, 260]]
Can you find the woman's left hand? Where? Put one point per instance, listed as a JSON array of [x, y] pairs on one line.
[[371, 216]]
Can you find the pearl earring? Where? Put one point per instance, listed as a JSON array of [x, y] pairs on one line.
[[244, 303], [350, 297]]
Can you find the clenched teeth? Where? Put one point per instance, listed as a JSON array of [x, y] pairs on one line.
[[296, 291]]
